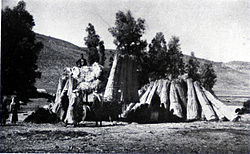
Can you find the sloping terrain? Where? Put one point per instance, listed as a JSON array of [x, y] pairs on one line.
[[232, 78], [233, 82], [55, 56]]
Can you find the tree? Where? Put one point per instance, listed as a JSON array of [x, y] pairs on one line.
[[208, 76], [127, 33], [95, 46], [175, 62], [19, 52], [192, 68], [157, 58], [204, 74]]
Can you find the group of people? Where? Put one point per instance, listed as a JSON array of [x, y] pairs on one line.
[[13, 108]]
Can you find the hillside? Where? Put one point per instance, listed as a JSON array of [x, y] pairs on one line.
[[232, 78], [55, 56]]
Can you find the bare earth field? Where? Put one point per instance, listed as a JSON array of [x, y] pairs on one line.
[[195, 137], [192, 137]]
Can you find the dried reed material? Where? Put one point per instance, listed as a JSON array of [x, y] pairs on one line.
[[205, 105], [221, 107], [193, 112], [175, 106]]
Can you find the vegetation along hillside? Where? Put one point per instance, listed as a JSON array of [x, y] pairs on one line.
[[232, 78]]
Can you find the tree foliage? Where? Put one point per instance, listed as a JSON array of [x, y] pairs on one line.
[[164, 61], [96, 47], [19, 51], [175, 63], [161, 61], [157, 57], [192, 68], [208, 76], [127, 33], [205, 73]]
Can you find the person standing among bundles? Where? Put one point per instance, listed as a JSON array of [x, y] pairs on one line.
[[14, 106], [81, 62]]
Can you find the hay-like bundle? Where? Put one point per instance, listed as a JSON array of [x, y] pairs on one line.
[[183, 98], [164, 94], [122, 84], [142, 91], [87, 73], [175, 106], [220, 107], [182, 92], [61, 102], [152, 92], [159, 87], [218, 112], [144, 97], [205, 105], [193, 112], [134, 97], [128, 110], [124, 78], [70, 111], [73, 84], [165, 100], [112, 88]]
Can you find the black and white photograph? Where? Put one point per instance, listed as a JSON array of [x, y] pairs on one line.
[[125, 76]]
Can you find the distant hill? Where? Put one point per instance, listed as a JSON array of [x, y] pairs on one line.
[[232, 78], [233, 81], [55, 56]]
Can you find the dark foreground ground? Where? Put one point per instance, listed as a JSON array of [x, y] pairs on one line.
[[193, 137]]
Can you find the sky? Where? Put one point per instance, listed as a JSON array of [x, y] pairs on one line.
[[217, 30]]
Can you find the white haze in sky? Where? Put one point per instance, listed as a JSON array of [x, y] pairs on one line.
[[217, 30]]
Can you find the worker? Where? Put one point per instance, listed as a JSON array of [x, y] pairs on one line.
[[14, 106], [81, 62]]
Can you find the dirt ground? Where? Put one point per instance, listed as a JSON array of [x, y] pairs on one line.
[[192, 137]]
